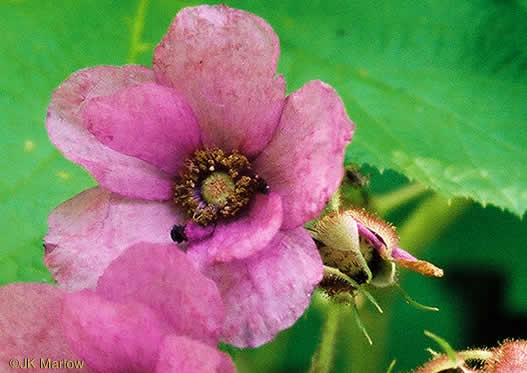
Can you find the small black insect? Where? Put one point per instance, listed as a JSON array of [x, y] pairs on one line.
[[178, 233], [261, 185]]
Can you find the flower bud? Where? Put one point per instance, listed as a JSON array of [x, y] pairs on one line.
[[470, 361], [364, 248], [510, 357]]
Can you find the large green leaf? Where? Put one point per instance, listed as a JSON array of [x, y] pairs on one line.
[[438, 89]]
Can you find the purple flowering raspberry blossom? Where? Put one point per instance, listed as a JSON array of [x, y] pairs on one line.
[[126, 324], [207, 149]]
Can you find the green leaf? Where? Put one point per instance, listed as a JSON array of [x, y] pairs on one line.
[[438, 89]]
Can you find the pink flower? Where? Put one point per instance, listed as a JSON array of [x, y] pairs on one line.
[[208, 147], [126, 325]]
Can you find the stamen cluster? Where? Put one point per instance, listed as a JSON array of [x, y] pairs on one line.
[[216, 184]]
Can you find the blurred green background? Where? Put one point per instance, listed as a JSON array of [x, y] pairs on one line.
[[438, 90]]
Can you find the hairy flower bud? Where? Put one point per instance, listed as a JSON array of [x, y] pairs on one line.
[[360, 249], [363, 248], [509, 357]]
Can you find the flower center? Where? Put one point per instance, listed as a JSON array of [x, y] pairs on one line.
[[216, 184], [217, 188]]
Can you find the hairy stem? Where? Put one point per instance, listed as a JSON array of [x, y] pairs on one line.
[[322, 362]]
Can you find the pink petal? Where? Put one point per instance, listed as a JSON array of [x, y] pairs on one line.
[[400, 254], [406, 260], [112, 337], [304, 160], [224, 62], [30, 326], [115, 171], [268, 292], [247, 234], [93, 228], [161, 277], [184, 355], [148, 121], [196, 232], [373, 239]]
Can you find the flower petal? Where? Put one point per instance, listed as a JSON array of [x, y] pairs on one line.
[[247, 234], [196, 232], [184, 355], [112, 337], [115, 171], [148, 121], [87, 232], [406, 260], [29, 326], [268, 292], [161, 277], [304, 160], [231, 58]]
